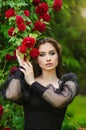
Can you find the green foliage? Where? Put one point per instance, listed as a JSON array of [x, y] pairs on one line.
[[75, 115], [68, 27], [13, 116]]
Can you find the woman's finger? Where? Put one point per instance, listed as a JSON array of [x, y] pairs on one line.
[[20, 60], [29, 64]]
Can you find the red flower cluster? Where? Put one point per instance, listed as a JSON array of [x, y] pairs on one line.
[[28, 46], [21, 27], [10, 57], [36, 2], [20, 23], [34, 52], [27, 13], [11, 31], [42, 8], [36, 25], [42, 12], [40, 26], [57, 5], [1, 110], [9, 13], [13, 69], [6, 129], [19, 20], [46, 17], [27, 43]]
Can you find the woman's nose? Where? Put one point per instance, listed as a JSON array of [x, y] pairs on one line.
[[48, 58]]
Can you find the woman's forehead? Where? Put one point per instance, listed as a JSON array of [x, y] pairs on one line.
[[46, 46]]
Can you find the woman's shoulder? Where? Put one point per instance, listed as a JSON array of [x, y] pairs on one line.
[[69, 76], [47, 84]]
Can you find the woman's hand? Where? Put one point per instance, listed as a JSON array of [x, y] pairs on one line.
[[28, 72], [20, 60]]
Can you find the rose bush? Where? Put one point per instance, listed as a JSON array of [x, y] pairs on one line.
[[25, 22], [28, 25], [1, 111]]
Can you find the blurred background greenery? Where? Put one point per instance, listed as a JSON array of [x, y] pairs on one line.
[[68, 27]]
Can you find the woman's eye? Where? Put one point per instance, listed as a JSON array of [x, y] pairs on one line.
[[52, 53], [41, 54]]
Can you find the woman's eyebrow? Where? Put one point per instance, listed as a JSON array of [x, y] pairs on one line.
[[52, 51], [45, 51]]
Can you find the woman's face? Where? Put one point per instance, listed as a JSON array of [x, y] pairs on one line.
[[48, 57]]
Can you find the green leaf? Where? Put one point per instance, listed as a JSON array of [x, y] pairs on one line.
[[34, 35]]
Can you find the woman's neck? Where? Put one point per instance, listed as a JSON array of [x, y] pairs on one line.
[[49, 75]]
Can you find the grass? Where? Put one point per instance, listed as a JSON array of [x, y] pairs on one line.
[[76, 112], [78, 107]]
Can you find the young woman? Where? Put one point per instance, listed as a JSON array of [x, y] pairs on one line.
[[41, 89]]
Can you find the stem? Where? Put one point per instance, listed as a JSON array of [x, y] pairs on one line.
[[75, 123], [4, 65]]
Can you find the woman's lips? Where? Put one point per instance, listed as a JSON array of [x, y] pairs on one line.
[[48, 64]]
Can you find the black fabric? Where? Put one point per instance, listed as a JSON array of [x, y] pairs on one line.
[[69, 77], [37, 87], [16, 74], [38, 113]]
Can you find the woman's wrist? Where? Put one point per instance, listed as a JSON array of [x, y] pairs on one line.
[[37, 87], [31, 82]]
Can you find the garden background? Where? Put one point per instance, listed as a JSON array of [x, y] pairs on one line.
[[68, 27]]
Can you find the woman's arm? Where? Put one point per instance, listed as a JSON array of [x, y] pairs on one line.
[[13, 91], [15, 88], [61, 97]]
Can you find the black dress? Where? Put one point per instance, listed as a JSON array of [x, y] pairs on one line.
[[39, 114]]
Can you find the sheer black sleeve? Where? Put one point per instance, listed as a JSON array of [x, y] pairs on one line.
[[59, 97], [19, 88]]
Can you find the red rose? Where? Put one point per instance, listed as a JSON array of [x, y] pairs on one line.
[[9, 13], [14, 57], [23, 49], [42, 8], [8, 57], [19, 20], [36, 2], [1, 110], [14, 52], [13, 69], [10, 31], [28, 42], [34, 52], [40, 26], [28, 23], [57, 5], [6, 129], [27, 13], [45, 17], [21, 27]]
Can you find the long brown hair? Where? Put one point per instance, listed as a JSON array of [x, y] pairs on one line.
[[36, 67]]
